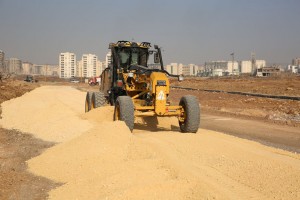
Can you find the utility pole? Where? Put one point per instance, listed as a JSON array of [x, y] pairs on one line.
[[232, 61], [253, 63]]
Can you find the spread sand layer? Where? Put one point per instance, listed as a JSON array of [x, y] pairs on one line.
[[102, 159]]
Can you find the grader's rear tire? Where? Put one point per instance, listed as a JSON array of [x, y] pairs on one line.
[[124, 111], [98, 100], [88, 101], [191, 114]]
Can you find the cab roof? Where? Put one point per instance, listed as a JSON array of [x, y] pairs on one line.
[[123, 43]]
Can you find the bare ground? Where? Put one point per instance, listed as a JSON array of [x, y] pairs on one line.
[[16, 182], [283, 112]]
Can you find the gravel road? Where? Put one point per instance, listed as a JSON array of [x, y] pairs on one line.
[[96, 158]]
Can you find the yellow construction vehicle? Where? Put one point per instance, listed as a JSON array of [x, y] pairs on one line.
[[139, 89]]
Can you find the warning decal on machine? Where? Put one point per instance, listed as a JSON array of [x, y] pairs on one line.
[[161, 95]]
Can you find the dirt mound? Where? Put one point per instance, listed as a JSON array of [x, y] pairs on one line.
[[10, 89]]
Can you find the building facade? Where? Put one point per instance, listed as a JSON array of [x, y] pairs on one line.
[[246, 66], [108, 59], [100, 67], [89, 66], [296, 62], [2, 61], [67, 65], [50, 70], [216, 68], [27, 68], [260, 64], [14, 65], [180, 69]]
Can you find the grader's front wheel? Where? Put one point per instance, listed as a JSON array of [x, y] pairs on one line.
[[124, 111], [191, 115]]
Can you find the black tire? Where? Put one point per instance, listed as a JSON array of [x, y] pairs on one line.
[[88, 101], [98, 100], [112, 99], [191, 108], [124, 111]]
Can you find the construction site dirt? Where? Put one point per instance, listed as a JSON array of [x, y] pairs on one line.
[[60, 171]]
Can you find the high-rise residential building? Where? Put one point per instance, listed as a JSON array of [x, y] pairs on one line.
[[88, 65], [99, 68], [67, 65], [2, 61], [108, 59], [79, 67], [14, 65]]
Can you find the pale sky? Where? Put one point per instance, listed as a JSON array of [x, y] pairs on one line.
[[190, 31]]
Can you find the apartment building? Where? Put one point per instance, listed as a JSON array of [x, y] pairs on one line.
[[67, 65], [89, 66]]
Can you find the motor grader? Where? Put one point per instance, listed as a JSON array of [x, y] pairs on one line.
[[137, 88]]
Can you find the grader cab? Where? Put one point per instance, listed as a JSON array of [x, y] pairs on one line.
[[137, 88]]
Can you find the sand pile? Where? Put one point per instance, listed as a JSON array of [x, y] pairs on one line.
[[100, 114], [47, 114], [108, 161], [102, 159]]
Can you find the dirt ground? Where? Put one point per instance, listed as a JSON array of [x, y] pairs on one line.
[[93, 157], [285, 112], [103, 160], [285, 85], [16, 182]]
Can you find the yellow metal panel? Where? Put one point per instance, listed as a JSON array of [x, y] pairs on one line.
[[160, 100], [144, 107], [155, 76]]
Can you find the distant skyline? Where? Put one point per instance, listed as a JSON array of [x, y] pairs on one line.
[[192, 31]]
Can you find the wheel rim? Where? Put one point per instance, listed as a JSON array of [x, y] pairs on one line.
[[181, 123], [86, 106], [117, 113], [92, 105]]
